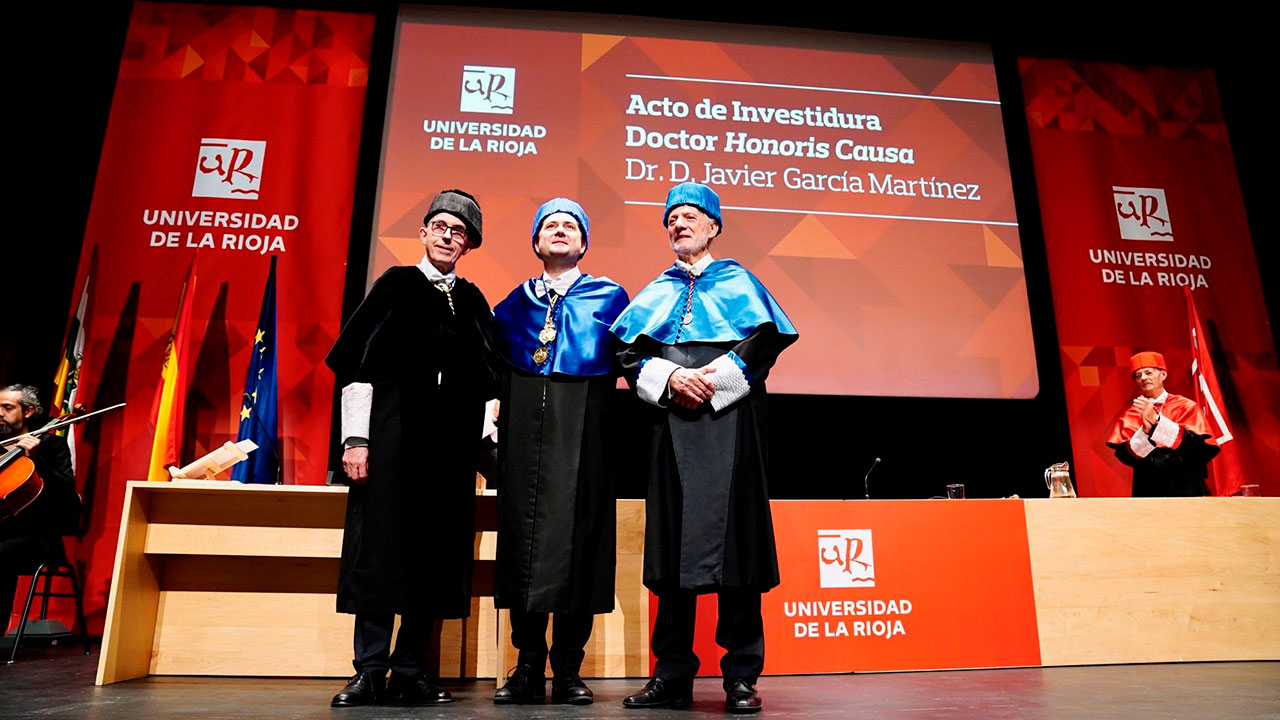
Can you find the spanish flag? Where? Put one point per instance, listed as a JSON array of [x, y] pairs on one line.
[[166, 409]]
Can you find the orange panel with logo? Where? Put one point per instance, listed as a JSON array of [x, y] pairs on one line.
[[894, 585]]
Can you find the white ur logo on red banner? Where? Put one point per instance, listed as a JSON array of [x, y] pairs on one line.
[[845, 559], [1143, 214], [229, 168], [488, 89]]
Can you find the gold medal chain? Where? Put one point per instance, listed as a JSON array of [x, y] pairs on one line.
[[548, 333]]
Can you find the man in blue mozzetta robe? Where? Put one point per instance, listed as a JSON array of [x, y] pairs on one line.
[[556, 498], [698, 343]]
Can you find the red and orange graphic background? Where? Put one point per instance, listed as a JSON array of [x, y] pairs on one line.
[[884, 305]]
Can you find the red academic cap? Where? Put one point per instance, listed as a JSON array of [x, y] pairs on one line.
[[1146, 359]]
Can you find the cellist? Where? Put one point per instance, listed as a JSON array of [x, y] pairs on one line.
[[31, 536]]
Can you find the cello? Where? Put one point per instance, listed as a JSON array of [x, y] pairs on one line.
[[20, 484]]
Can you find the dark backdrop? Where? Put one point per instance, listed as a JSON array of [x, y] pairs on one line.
[[65, 58]]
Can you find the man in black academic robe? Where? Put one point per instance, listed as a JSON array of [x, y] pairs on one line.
[[34, 535], [556, 545], [414, 369], [698, 343]]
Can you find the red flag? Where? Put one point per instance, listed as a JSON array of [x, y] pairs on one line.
[[1225, 474], [166, 409]]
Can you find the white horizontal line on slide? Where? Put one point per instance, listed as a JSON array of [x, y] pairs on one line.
[[792, 211]]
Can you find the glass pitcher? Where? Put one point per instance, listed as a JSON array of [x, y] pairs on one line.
[[1057, 478]]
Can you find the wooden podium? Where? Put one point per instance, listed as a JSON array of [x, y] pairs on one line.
[[220, 578]]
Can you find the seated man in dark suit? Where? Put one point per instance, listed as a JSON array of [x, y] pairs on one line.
[[34, 534]]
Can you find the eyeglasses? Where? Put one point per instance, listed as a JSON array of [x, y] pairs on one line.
[[440, 228]]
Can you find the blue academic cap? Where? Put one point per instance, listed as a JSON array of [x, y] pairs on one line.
[[564, 205], [697, 195]]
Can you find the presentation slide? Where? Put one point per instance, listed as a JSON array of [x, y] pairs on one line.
[[864, 180]]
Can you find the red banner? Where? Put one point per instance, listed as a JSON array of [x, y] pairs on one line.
[[893, 585], [1140, 199], [233, 131]]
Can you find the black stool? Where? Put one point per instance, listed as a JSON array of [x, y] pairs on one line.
[[53, 567]]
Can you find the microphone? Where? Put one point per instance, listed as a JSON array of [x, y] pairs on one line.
[[866, 479], [248, 400]]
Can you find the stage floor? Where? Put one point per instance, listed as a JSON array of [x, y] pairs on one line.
[[58, 683]]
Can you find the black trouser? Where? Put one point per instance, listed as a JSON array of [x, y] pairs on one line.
[[569, 635], [373, 644], [739, 630], [18, 554]]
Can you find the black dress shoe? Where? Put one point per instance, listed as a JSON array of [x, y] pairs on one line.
[[570, 689], [742, 698], [524, 685], [662, 693], [362, 689], [416, 690]]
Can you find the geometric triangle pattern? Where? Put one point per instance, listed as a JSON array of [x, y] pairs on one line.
[[812, 239], [1116, 99], [998, 253], [595, 46], [989, 283], [248, 44]]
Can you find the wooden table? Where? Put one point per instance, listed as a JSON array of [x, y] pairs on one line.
[[218, 578]]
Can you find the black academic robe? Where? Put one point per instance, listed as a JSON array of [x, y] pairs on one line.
[[556, 543], [708, 525], [409, 536], [1171, 472], [1177, 471]]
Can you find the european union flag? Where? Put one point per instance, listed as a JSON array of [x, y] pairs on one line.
[[259, 410]]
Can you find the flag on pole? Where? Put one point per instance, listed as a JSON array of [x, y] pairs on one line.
[[1225, 473], [166, 409], [66, 381], [259, 411]]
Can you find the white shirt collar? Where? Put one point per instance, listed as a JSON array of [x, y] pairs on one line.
[[1161, 398], [561, 283], [434, 275], [696, 268]]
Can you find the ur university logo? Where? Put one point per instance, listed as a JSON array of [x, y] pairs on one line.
[[488, 89], [229, 168], [845, 559], [1143, 213]]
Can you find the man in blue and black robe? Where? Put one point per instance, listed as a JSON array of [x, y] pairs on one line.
[[556, 497], [698, 343]]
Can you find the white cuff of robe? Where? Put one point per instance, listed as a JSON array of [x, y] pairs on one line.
[[1165, 433], [490, 427], [651, 383], [730, 381], [1139, 444], [357, 405]]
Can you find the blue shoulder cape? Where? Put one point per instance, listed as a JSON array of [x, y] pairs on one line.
[[729, 303], [583, 346]]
